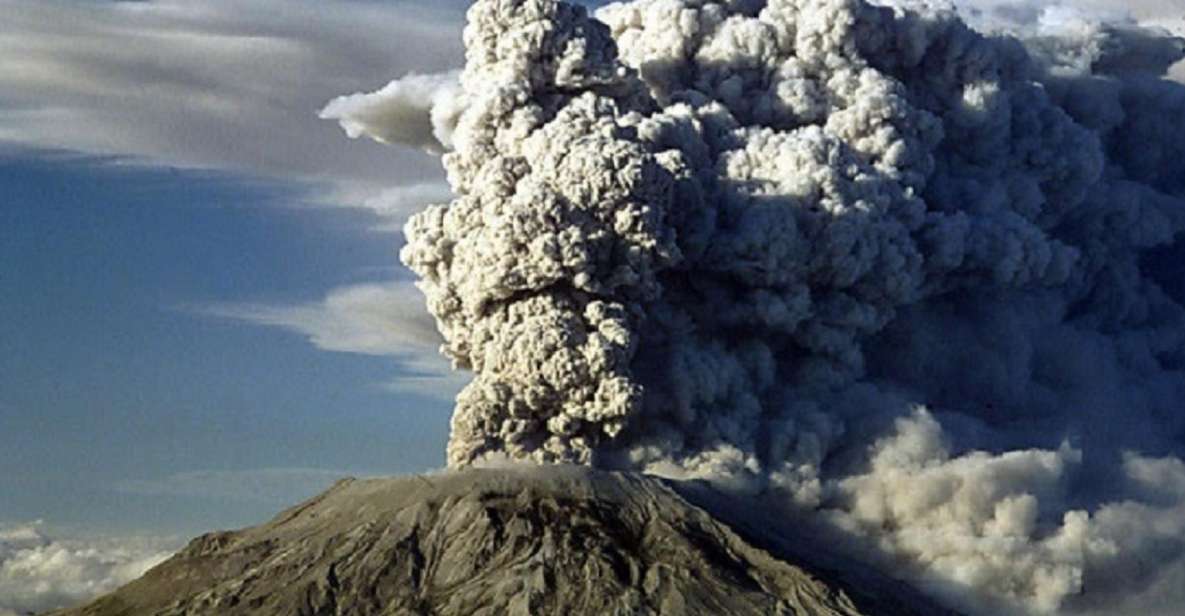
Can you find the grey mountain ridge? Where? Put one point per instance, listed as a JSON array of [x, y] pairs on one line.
[[520, 541]]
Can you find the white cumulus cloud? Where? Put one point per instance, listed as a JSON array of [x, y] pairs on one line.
[[40, 572]]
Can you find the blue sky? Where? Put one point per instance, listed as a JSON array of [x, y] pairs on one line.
[[175, 225], [111, 371]]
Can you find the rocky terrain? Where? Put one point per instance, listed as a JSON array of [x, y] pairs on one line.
[[512, 541]]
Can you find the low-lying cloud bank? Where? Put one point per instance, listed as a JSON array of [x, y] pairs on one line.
[[39, 572], [918, 282]]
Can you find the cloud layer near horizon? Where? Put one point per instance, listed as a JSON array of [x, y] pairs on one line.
[[39, 572]]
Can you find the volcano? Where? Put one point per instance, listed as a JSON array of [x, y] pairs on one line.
[[560, 540]]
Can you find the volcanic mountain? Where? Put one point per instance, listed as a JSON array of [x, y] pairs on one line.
[[527, 541]]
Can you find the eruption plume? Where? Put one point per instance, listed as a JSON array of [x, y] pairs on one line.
[[918, 281]]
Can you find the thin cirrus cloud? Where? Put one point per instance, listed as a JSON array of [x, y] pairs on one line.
[[396, 203], [237, 85], [222, 84], [376, 319]]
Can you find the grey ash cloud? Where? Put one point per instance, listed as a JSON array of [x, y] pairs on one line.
[[915, 280]]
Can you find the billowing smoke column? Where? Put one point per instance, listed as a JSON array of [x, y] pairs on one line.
[[916, 280]]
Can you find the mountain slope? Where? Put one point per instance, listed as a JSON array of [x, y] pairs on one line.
[[522, 541]]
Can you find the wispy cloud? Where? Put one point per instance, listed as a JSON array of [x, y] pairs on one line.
[[227, 84], [40, 572], [396, 203], [378, 319]]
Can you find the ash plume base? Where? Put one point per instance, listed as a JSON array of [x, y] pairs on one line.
[[914, 280]]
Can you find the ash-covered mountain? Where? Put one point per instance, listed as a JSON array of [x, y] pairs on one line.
[[523, 541]]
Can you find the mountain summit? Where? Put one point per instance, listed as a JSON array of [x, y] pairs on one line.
[[561, 540]]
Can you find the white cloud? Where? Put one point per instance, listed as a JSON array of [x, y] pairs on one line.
[[395, 204], [414, 110], [1140, 10], [370, 319], [39, 572], [227, 84], [1055, 16], [387, 320]]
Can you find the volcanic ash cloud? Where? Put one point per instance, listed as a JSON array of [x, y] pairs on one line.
[[916, 280]]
